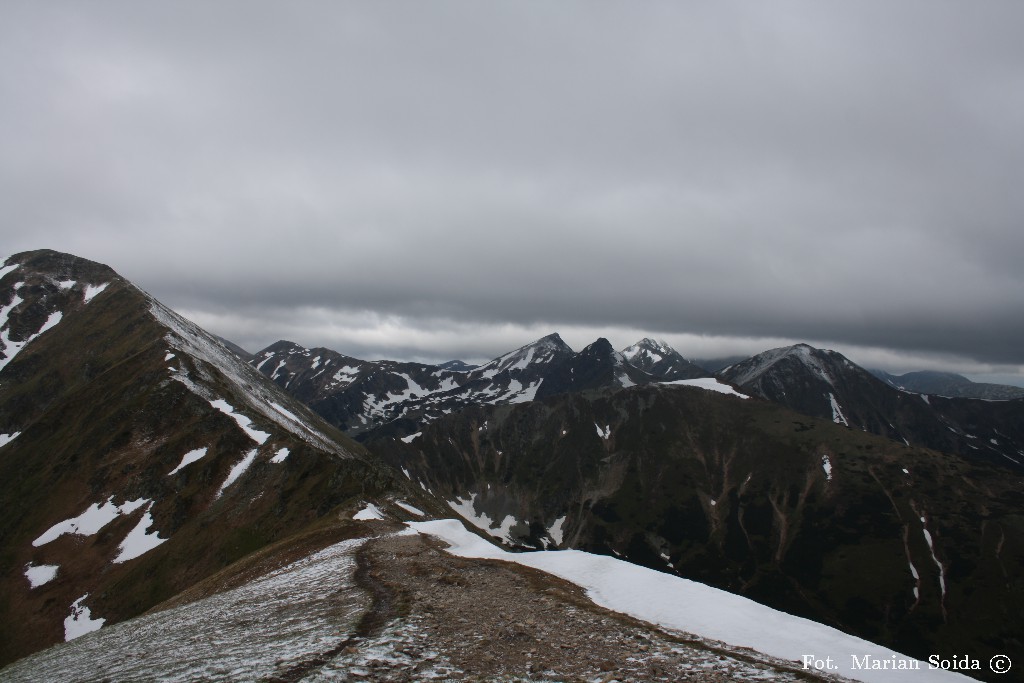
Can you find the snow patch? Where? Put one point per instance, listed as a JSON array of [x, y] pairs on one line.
[[466, 508], [603, 433], [837, 412], [237, 471], [80, 621], [409, 439], [188, 459], [243, 422], [935, 559], [7, 438], [41, 574], [826, 465], [284, 411], [708, 384], [409, 508], [95, 517], [281, 455], [557, 530], [12, 348], [138, 541], [91, 291], [369, 512]]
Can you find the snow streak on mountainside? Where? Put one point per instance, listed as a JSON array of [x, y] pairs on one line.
[[661, 360], [189, 339], [825, 384]]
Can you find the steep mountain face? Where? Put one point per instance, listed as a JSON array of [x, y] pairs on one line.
[[905, 546], [662, 361], [388, 397], [138, 455], [948, 384], [825, 384]]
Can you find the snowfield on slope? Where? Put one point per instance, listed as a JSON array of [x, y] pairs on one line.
[[682, 605], [708, 384]]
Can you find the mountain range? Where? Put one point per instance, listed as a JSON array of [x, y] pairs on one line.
[[147, 466]]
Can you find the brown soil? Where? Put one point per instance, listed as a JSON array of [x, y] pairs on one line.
[[436, 616]]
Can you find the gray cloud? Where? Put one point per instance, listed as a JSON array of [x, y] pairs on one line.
[[800, 171]]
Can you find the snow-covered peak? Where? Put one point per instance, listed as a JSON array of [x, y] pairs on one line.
[[818, 361], [544, 350], [653, 349]]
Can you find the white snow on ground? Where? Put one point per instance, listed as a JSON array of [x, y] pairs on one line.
[[826, 465], [5, 312], [837, 412], [369, 512], [935, 559], [524, 395], [80, 621], [7, 438], [707, 383], [168, 356], [281, 455], [556, 530], [95, 517], [466, 508], [237, 471], [92, 290], [409, 439], [603, 433], [409, 508], [924, 397], [917, 580], [243, 422], [40, 574], [284, 411], [138, 541], [7, 269], [767, 359], [188, 459], [67, 284], [258, 631], [13, 348], [680, 604]]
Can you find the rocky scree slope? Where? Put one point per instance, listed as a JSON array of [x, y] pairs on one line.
[[138, 455]]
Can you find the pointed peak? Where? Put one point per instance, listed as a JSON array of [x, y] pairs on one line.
[[552, 340], [602, 346], [281, 346]]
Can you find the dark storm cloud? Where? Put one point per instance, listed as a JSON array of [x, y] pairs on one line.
[[362, 173]]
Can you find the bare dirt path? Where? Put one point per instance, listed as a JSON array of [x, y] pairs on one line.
[[436, 616]]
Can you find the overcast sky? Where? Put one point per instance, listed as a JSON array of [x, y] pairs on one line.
[[431, 180]]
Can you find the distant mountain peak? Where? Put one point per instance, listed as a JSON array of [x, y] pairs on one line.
[[821, 362], [656, 357]]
